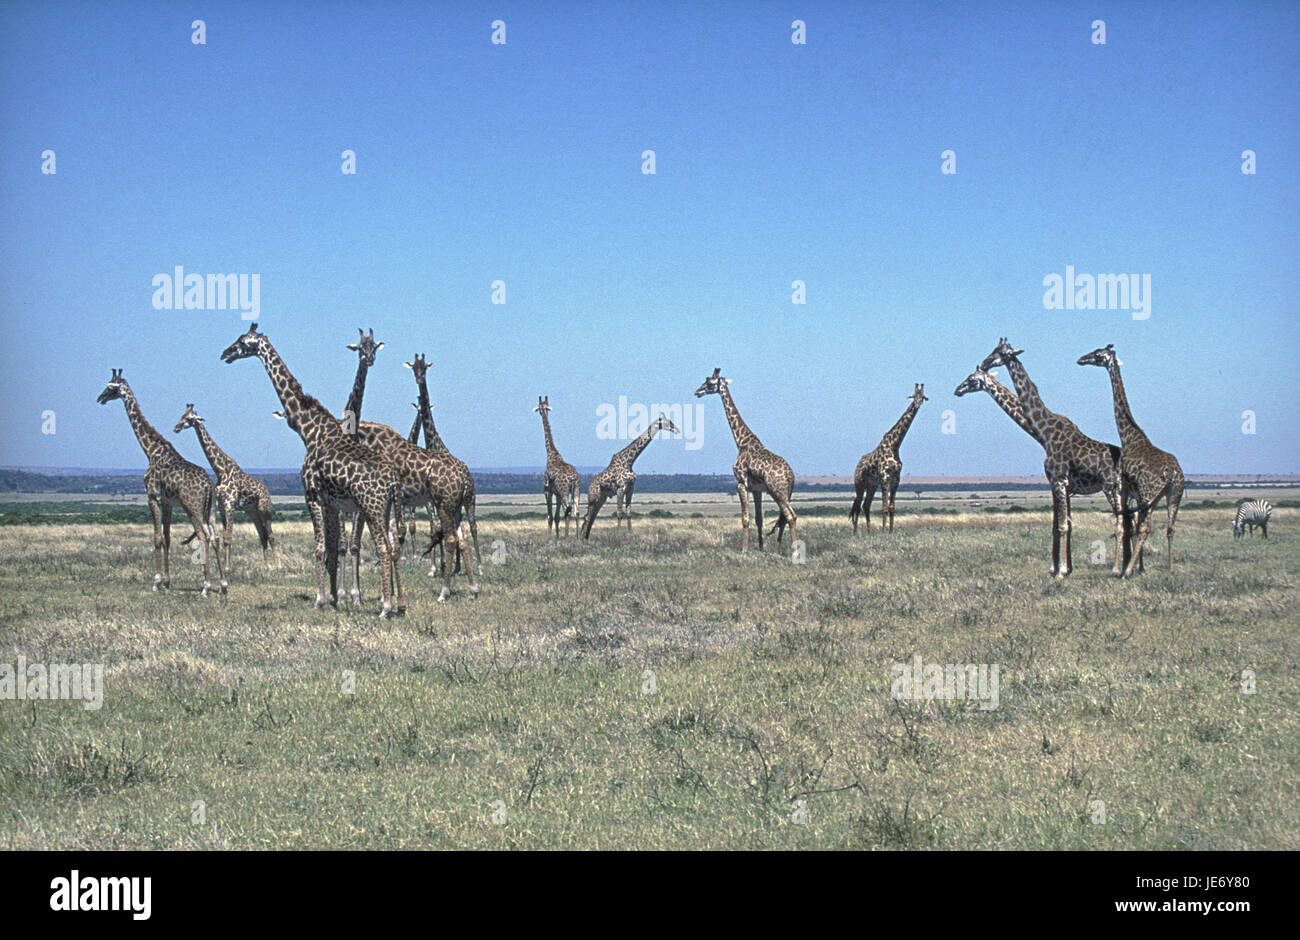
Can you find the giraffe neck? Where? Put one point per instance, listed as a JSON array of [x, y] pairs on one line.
[[303, 413], [1009, 403], [414, 436], [1030, 401], [745, 438], [628, 455], [155, 446], [551, 452], [432, 439], [220, 461], [1129, 432], [353, 406], [894, 437]]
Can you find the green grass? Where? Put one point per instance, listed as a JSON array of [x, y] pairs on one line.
[[772, 685]]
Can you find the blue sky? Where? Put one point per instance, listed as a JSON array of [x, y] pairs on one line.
[[775, 162]]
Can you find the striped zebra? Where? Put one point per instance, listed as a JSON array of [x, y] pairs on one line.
[[1253, 512]]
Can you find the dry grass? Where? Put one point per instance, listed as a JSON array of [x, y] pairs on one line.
[[772, 686]]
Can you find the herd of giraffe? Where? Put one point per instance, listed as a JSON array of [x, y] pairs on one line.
[[374, 474]]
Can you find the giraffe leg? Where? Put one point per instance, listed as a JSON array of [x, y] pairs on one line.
[[202, 525], [857, 508], [893, 488], [1174, 498], [354, 555], [548, 512], [384, 549], [395, 556], [627, 506], [155, 510], [1143, 529], [758, 517], [1112, 497], [264, 528], [744, 515], [593, 509], [1056, 532], [1067, 561], [211, 523], [448, 532], [167, 546], [317, 513], [435, 537], [333, 542], [1060, 529], [227, 531], [473, 531], [469, 569], [786, 518]]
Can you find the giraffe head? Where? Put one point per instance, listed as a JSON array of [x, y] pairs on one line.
[[419, 365], [918, 394], [247, 346], [1001, 354], [366, 348], [1101, 357], [188, 420], [713, 385], [543, 405], [662, 423], [114, 389], [978, 381]]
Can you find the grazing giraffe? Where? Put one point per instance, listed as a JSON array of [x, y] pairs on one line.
[[883, 468], [618, 479], [427, 478], [433, 443], [756, 468], [235, 489], [170, 479], [1147, 473], [339, 474], [561, 480], [1075, 464]]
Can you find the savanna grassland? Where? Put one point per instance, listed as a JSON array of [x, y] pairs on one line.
[[664, 692]]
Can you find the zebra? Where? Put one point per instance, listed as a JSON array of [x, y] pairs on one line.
[[1254, 512]]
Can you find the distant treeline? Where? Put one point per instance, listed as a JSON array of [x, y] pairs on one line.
[[81, 513], [288, 484]]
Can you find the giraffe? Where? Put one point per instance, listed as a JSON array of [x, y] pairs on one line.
[[756, 468], [1074, 464], [883, 468], [983, 381], [339, 474], [618, 479], [235, 488], [427, 478], [1147, 473], [365, 348], [561, 480], [170, 479], [433, 443], [413, 438]]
